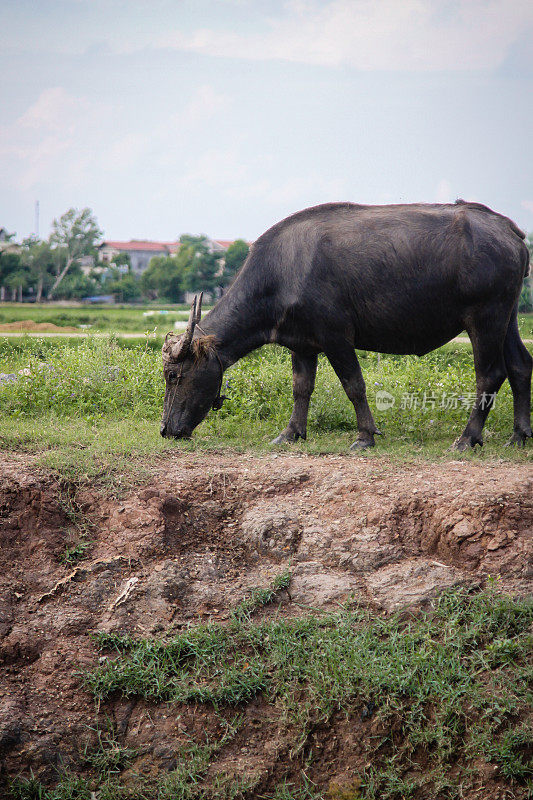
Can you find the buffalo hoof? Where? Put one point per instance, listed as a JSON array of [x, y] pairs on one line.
[[286, 437], [362, 444], [465, 442], [519, 438]]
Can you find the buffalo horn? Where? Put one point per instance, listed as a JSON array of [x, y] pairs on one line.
[[181, 348], [199, 308]]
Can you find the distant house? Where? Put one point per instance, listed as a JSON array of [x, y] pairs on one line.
[[219, 245], [140, 251], [87, 264]]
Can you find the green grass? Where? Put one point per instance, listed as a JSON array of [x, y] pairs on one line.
[[259, 597], [104, 762], [93, 407], [78, 528], [525, 325], [456, 678]]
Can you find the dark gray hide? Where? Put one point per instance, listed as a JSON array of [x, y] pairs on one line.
[[392, 279]]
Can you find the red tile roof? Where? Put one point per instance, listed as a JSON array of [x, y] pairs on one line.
[[139, 244], [172, 246]]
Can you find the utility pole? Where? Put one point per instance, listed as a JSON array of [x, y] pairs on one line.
[[37, 219]]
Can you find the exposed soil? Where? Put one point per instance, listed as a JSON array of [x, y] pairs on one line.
[[35, 327], [188, 544]]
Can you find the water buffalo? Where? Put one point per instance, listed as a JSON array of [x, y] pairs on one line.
[[391, 279]]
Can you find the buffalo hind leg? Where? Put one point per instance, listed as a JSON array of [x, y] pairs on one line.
[[519, 366], [345, 363], [303, 383], [490, 374]]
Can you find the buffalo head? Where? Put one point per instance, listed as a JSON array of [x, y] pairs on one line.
[[193, 376]]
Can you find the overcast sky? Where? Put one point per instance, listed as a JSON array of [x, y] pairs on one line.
[[223, 116]]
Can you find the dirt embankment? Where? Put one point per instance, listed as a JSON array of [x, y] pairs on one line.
[[28, 325], [187, 545]]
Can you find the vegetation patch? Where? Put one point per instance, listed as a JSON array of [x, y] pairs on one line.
[[434, 696], [441, 691], [94, 405]]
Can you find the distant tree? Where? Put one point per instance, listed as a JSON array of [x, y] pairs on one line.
[[150, 278], [13, 275], [17, 281], [39, 259], [201, 273], [123, 260], [164, 277], [234, 259], [74, 234], [197, 242], [526, 296], [76, 285], [126, 289], [203, 268]]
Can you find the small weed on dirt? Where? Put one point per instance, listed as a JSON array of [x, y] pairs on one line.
[[259, 597], [79, 526]]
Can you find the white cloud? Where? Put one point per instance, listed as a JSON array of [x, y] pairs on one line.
[[216, 168], [374, 34], [35, 144], [54, 110], [204, 104], [62, 139]]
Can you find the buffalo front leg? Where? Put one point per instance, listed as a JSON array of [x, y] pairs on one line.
[[345, 363], [303, 383]]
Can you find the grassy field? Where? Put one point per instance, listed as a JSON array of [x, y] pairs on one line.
[[446, 689], [103, 318], [128, 318], [89, 404]]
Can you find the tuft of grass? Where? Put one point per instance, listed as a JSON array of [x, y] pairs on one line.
[[260, 597], [187, 781], [288, 791], [26, 788], [75, 553], [107, 756], [513, 752]]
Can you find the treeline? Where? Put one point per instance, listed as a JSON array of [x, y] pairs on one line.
[[56, 268], [51, 269], [194, 268]]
